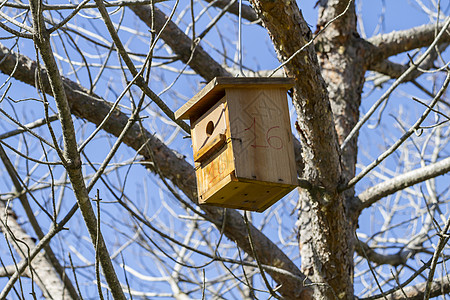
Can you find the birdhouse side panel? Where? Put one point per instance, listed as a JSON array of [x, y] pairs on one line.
[[261, 135]]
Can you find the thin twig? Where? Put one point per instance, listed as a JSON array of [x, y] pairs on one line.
[[399, 80], [400, 141], [138, 75], [312, 40], [255, 256]]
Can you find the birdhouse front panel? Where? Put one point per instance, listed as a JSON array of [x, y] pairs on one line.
[[242, 142], [213, 156]]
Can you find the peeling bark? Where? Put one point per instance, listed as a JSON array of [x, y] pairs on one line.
[[329, 77]]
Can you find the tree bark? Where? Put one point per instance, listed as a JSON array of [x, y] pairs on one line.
[[326, 236]]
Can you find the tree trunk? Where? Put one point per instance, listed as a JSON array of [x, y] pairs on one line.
[[327, 109]]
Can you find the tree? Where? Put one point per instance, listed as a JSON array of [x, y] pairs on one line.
[[93, 122]]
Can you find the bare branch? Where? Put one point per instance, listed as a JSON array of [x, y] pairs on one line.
[[200, 61], [71, 157], [396, 42], [443, 240], [247, 12], [8, 271], [400, 182], [369, 253], [439, 286], [49, 254], [307, 245], [322, 223], [32, 254], [383, 98], [395, 70], [118, 3], [32, 125], [310, 97], [138, 76], [44, 274], [407, 134]]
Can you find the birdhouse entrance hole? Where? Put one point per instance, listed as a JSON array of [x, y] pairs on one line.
[[209, 128]]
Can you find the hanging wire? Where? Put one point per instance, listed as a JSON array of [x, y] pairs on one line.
[[239, 45]]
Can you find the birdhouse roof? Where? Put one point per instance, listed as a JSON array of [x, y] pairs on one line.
[[215, 90]]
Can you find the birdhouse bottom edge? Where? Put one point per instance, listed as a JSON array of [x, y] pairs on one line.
[[243, 193]]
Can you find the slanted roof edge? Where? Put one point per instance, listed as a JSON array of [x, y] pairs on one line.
[[214, 91]]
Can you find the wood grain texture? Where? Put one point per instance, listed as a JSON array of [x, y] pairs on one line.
[[245, 194], [199, 130], [256, 167], [323, 228], [209, 148], [213, 170], [261, 136]]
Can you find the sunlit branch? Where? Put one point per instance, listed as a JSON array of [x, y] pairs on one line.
[[439, 286], [138, 75], [200, 61], [29, 157], [69, 17], [29, 126], [396, 42], [26, 129], [443, 240], [32, 254], [216, 19], [18, 24], [50, 255], [364, 250], [49, 282], [398, 290], [400, 182], [312, 105], [86, 6], [9, 270], [154, 219], [395, 70]]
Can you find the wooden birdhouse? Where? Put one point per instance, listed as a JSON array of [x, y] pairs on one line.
[[242, 142]]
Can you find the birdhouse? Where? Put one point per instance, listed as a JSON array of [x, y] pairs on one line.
[[242, 142]]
